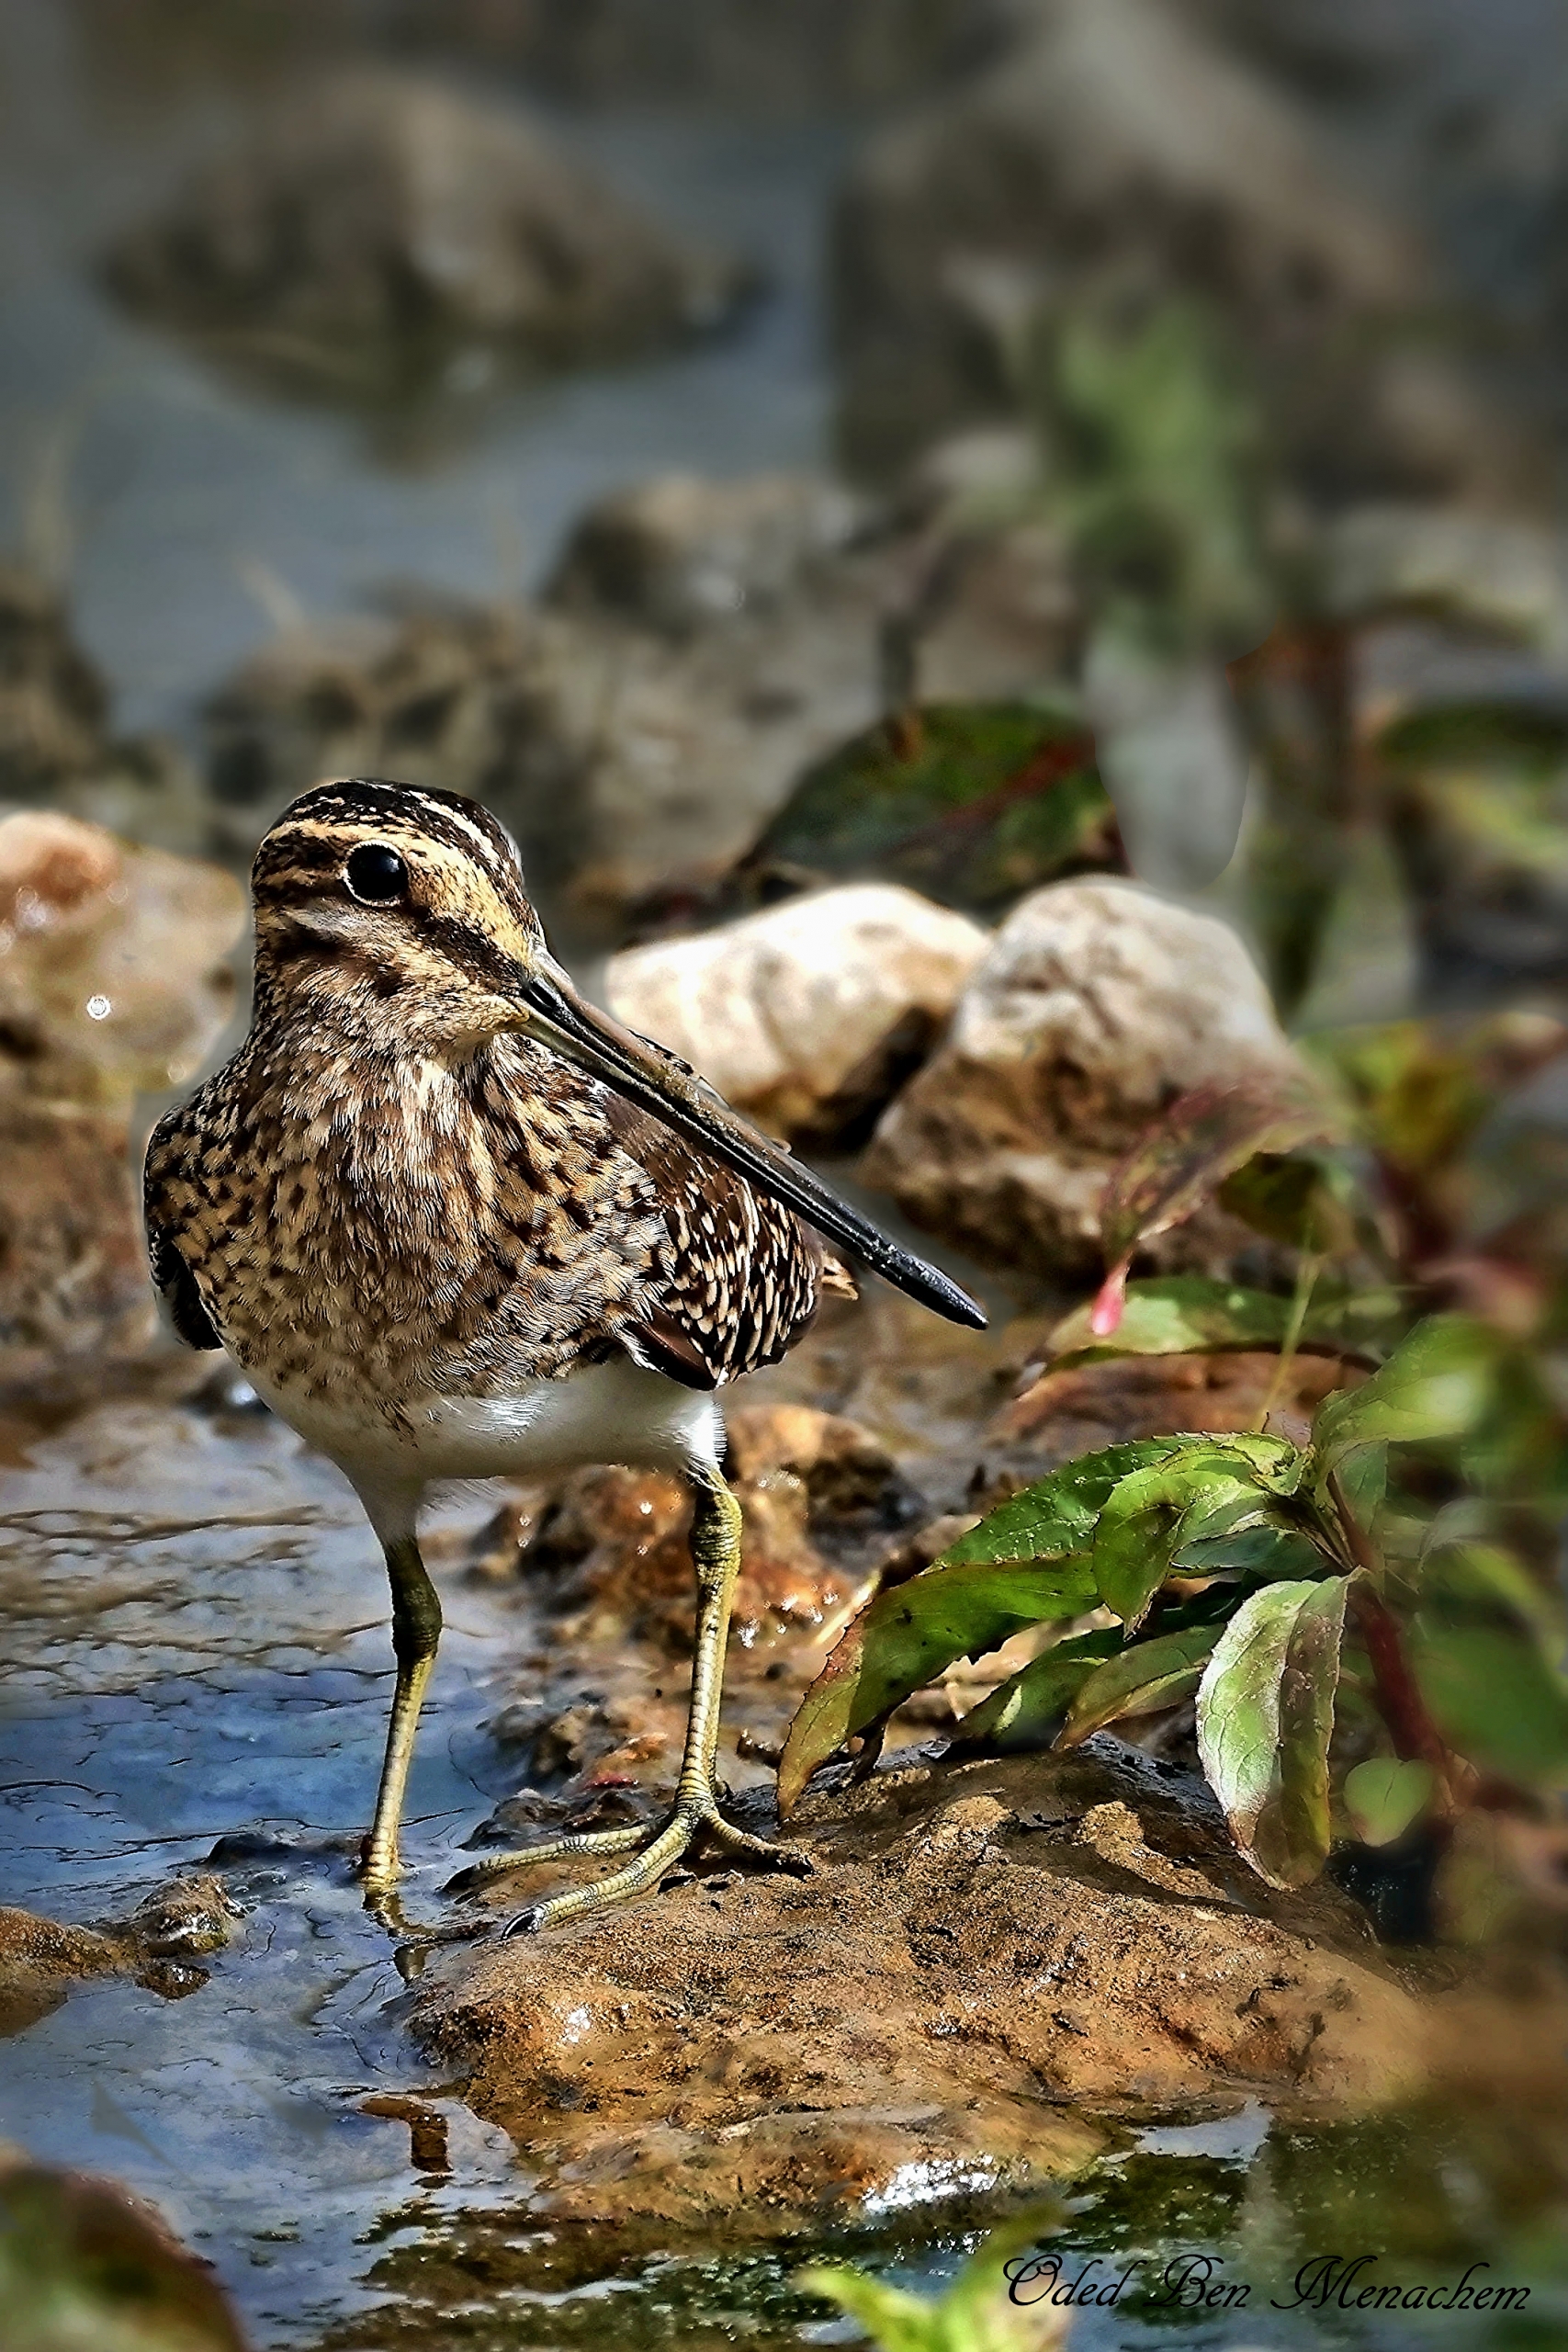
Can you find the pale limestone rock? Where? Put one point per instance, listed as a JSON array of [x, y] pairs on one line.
[[1097, 1005], [803, 1014]]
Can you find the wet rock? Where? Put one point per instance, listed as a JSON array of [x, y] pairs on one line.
[[809, 1016], [376, 229], [1113, 136], [113, 979], [184, 1919], [678, 553], [40, 1959], [1084, 1407], [979, 1947], [1097, 1005]]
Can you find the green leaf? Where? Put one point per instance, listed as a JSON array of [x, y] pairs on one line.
[[1482, 1581], [1383, 1796], [1436, 1384], [1025, 1710], [1364, 1478], [1264, 1717], [1140, 1681], [907, 1634], [1206, 1489], [1496, 1698], [1265, 1553], [1175, 1315], [974, 2314], [969, 803], [895, 2319], [1299, 1199], [1057, 1515], [1171, 1315]]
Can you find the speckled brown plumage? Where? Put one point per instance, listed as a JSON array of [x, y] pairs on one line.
[[357, 1217]]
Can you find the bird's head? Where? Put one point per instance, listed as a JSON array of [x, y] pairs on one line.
[[395, 916]]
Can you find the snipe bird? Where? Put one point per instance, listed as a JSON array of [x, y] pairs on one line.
[[454, 1222]]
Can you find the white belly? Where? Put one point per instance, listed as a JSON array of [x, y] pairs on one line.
[[607, 1412]]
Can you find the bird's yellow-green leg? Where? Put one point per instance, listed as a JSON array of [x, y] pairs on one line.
[[716, 1548], [416, 1633]]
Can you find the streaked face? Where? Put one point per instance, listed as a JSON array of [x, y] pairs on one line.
[[398, 914], [402, 908]]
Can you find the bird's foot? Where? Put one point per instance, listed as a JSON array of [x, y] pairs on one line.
[[656, 1850]]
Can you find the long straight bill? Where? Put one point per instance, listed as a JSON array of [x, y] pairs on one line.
[[557, 1017]]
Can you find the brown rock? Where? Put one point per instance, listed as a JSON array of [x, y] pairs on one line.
[[113, 977], [1087, 1406], [54, 743], [113, 962], [1097, 1006], [807, 1016], [631, 764], [374, 224], [978, 1948], [53, 704], [73, 1263], [678, 553], [40, 1959], [82, 2262], [606, 1555], [774, 55]]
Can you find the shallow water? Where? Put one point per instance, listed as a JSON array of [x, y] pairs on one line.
[[196, 1625]]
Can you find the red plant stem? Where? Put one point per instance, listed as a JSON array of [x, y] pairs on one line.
[[1400, 1703], [1415, 1736]]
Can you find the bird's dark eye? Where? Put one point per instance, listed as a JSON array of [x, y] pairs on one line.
[[375, 874]]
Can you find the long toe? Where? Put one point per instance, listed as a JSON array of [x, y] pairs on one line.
[[552, 1849], [683, 1829], [765, 1850]]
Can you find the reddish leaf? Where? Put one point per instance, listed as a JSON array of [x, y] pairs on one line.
[[1202, 1138]]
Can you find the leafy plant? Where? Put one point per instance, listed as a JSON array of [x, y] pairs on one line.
[[970, 803], [1324, 1605], [974, 2314]]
